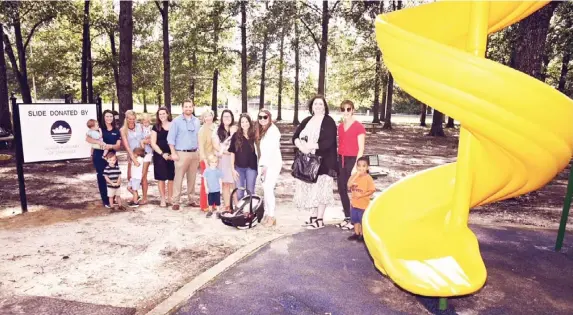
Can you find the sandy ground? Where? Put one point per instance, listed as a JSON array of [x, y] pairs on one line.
[[69, 247], [131, 259]]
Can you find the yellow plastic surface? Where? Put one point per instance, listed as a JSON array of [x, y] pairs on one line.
[[517, 135]]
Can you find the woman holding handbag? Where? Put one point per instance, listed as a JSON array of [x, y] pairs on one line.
[[268, 140], [316, 135]]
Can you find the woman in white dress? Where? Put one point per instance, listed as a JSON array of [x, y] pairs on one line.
[[268, 140]]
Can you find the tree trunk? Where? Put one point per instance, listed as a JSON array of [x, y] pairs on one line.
[[389, 89], [125, 93], [263, 72], [214, 102], [544, 63], [564, 70], [144, 102], [166, 56], [423, 114], [296, 69], [85, 40], [90, 77], [19, 66], [159, 99], [113, 102], [323, 49], [376, 107], [5, 121], [281, 68], [450, 123], [115, 58], [244, 57], [437, 129], [194, 71], [383, 104], [532, 34]]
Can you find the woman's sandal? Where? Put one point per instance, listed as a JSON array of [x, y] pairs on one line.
[[318, 224], [345, 225], [310, 221]]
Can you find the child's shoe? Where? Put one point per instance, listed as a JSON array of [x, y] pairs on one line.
[[360, 239], [133, 204], [353, 237], [209, 214]]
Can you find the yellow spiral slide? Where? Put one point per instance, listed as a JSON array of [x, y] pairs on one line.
[[516, 136]]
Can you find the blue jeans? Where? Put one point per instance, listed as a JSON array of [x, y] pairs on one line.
[[247, 178]]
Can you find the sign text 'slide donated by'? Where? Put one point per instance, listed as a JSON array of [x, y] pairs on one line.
[[52, 132]]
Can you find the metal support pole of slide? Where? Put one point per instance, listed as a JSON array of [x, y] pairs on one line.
[[443, 304], [19, 154], [565, 213]]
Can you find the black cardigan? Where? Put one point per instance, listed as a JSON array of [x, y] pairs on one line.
[[327, 147]]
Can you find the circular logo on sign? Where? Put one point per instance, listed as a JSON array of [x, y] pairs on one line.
[[61, 132]]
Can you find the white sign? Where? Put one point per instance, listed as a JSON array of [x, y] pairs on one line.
[[52, 132]]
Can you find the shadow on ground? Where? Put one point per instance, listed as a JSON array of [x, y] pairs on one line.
[[320, 272]]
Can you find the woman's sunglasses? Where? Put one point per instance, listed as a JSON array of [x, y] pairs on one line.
[[346, 109], [263, 117]]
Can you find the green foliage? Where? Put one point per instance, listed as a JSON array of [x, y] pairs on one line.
[[198, 47]]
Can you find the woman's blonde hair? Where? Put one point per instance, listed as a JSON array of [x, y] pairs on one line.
[[127, 114], [205, 113], [145, 116]]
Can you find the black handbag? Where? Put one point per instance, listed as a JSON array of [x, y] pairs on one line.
[[305, 167]]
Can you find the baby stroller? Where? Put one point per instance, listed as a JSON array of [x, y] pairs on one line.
[[247, 213]]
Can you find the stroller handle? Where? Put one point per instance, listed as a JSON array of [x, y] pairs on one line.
[[249, 193]]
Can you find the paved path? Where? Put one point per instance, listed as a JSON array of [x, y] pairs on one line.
[[320, 272]]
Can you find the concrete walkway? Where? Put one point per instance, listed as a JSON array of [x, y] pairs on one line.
[[320, 272]]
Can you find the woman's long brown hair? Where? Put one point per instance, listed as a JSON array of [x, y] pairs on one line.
[[239, 134], [158, 124], [262, 130]]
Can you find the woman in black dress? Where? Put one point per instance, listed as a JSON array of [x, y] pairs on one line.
[[163, 165]]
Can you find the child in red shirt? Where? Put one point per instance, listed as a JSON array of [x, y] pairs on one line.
[[362, 188]]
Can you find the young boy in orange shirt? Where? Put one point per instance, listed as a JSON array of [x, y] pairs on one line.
[[361, 186]]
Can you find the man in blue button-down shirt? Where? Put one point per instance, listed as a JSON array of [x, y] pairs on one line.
[[183, 140]]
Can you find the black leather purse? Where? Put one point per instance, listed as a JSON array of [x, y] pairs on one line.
[[305, 166]]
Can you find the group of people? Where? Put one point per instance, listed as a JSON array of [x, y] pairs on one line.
[[226, 155], [230, 155], [317, 134]]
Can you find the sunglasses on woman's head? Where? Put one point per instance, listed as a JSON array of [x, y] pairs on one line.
[[346, 109], [263, 117]]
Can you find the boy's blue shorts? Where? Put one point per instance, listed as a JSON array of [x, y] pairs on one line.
[[356, 215], [214, 198]]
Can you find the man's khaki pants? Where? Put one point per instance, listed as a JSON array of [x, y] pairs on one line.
[[187, 165]]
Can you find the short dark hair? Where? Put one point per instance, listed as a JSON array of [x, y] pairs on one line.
[[347, 102], [110, 154], [188, 100], [364, 159], [91, 123], [312, 101]]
